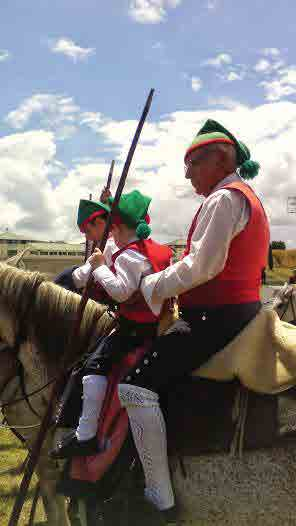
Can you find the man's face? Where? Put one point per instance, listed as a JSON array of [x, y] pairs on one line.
[[202, 168], [94, 230]]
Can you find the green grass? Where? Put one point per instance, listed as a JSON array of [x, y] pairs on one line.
[[12, 455]]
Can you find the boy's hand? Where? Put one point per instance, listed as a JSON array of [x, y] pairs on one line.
[[96, 259], [105, 195]]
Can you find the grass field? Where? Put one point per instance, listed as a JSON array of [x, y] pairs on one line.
[[12, 456]]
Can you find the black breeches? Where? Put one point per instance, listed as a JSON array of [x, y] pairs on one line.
[[189, 343]]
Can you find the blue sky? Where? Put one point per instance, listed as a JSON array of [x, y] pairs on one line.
[[74, 77]]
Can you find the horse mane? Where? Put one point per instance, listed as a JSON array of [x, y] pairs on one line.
[[49, 312]]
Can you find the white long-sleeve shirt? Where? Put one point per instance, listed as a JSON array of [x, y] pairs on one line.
[[81, 274], [130, 267], [224, 214]]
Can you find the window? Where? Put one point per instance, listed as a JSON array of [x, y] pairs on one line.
[[11, 253]]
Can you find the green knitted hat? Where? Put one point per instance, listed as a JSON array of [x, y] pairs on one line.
[[88, 210], [213, 132], [132, 211]]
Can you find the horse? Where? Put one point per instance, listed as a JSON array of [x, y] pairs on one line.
[[36, 317]]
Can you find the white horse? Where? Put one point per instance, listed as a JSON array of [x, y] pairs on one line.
[[37, 316]]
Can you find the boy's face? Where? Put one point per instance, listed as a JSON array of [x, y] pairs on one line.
[[94, 230], [122, 234]]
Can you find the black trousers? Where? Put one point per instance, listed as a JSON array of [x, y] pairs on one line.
[[65, 280], [189, 343]]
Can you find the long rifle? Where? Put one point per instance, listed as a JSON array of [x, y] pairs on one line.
[[35, 452], [110, 175], [88, 244]]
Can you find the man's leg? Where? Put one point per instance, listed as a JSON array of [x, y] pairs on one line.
[[140, 399], [149, 433]]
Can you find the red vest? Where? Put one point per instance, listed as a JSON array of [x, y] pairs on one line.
[[240, 280], [159, 257]]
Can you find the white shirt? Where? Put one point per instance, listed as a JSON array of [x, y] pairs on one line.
[[130, 267], [81, 274], [224, 214]]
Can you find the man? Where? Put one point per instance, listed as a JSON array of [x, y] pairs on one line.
[[91, 221], [218, 283]]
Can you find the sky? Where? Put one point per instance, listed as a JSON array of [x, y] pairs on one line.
[[75, 75]]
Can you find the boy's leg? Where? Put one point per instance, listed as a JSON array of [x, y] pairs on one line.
[[83, 440], [94, 390]]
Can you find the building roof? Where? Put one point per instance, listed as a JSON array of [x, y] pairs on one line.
[[56, 247], [11, 236]]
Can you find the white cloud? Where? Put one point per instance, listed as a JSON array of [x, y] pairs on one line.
[[33, 205], [196, 83], [53, 111], [151, 11], [211, 4], [67, 47], [271, 51], [282, 86], [233, 75], [219, 60], [263, 66], [4, 55]]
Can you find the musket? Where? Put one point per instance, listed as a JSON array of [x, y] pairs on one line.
[[87, 243], [110, 175], [35, 452]]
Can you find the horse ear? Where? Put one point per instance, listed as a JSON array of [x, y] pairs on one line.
[[17, 260]]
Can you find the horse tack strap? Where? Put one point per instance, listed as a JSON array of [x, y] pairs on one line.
[[21, 375]]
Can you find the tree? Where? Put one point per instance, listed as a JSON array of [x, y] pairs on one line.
[[278, 245]]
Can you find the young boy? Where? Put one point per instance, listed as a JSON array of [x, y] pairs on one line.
[[91, 221], [128, 257]]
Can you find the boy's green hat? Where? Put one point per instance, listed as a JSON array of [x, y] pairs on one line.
[[132, 211], [88, 210], [213, 132]]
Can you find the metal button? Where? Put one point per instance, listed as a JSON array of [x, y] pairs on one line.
[[204, 317], [128, 378], [154, 354], [138, 371], [98, 366], [146, 361]]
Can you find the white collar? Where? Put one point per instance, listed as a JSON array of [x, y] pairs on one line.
[[229, 179]]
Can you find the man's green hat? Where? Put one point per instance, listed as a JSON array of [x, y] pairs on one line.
[[213, 132], [89, 210], [132, 211]]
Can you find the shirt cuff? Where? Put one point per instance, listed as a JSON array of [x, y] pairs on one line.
[[148, 290], [81, 274]]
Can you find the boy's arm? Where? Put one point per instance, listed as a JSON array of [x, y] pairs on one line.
[[81, 274], [130, 267]]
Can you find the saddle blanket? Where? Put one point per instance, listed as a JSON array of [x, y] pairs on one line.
[[262, 356]]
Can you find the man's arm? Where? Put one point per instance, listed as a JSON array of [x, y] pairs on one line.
[[221, 218]]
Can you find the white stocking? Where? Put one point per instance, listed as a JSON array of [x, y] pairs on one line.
[[149, 432], [94, 389]]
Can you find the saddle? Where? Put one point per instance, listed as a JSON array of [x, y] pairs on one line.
[[262, 356]]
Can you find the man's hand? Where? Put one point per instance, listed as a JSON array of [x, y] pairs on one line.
[[97, 259], [105, 195]]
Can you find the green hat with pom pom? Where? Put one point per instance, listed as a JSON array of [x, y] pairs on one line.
[[132, 211], [213, 132]]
